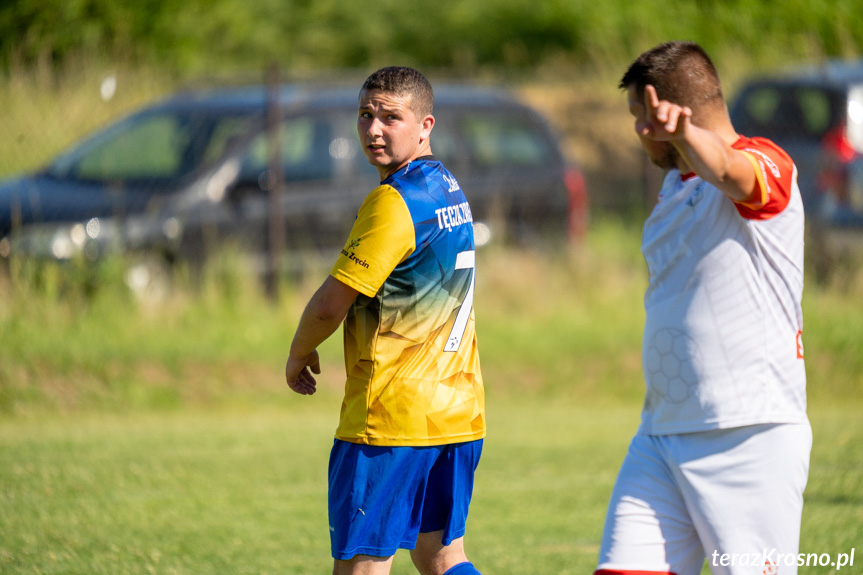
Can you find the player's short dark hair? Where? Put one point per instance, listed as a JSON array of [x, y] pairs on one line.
[[404, 81], [681, 72]]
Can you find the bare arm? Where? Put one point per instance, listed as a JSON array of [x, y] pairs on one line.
[[708, 153], [324, 313]]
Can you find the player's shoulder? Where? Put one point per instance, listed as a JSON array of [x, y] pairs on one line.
[[776, 175], [763, 147], [425, 175], [384, 201], [385, 191], [418, 169]]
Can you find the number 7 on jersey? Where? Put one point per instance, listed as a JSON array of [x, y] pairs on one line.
[[465, 260]]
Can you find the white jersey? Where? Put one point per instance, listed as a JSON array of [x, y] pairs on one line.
[[722, 338]]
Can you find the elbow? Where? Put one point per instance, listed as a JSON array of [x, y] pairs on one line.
[[330, 315], [328, 310], [332, 301]]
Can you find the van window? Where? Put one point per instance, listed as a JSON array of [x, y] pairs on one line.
[[164, 146], [225, 132], [305, 150], [150, 149], [781, 111], [761, 105], [499, 141], [815, 108]]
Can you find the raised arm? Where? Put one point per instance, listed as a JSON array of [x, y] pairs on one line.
[[707, 152]]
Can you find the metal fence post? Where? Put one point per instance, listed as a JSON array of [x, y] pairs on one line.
[[276, 221]]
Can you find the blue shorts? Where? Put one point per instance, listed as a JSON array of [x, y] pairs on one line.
[[381, 498]]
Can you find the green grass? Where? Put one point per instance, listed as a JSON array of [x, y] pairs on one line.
[[141, 436], [243, 490], [565, 324], [215, 492], [833, 339]]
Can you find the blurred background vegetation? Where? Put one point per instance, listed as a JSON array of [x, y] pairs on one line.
[[563, 56], [203, 36]]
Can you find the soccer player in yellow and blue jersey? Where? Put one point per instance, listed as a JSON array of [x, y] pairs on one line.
[[413, 417]]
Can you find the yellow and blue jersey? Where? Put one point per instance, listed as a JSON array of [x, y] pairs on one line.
[[413, 372]]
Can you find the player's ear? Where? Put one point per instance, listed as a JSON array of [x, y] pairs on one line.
[[427, 125]]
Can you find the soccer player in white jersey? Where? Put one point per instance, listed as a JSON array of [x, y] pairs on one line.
[[718, 466]]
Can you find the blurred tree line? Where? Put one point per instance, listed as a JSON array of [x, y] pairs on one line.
[[200, 36]]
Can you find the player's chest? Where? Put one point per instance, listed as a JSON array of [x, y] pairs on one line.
[[688, 219]]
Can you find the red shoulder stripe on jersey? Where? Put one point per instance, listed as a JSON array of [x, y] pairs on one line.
[[776, 177]]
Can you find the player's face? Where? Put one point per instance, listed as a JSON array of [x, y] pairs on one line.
[[390, 132], [662, 154]]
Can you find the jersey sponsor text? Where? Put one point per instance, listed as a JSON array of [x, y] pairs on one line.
[[453, 216]]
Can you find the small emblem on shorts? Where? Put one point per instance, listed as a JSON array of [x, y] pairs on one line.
[[799, 344]]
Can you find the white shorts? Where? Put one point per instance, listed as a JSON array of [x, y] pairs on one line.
[[734, 496]]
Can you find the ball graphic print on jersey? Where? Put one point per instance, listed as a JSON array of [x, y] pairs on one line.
[[669, 365]]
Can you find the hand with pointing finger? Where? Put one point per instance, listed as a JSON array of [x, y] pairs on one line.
[[663, 120]]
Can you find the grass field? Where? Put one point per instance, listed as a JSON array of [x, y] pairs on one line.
[[244, 490], [158, 437]]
